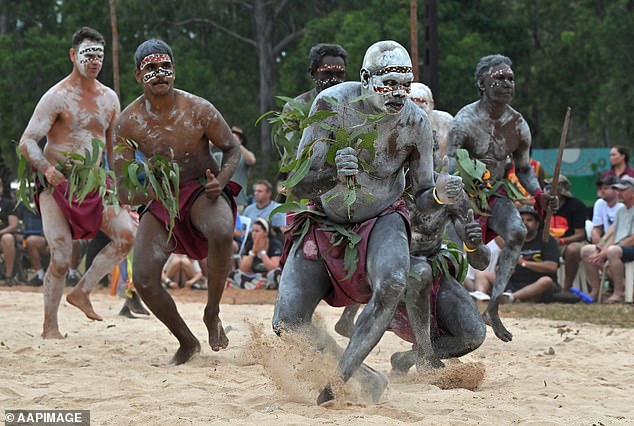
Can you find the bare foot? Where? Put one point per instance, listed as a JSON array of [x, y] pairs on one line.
[[493, 319], [51, 332], [344, 327], [185, 353], [374, 382], [325, 396], [402, 361], [135, 305], [125, 311], [80, 300], [217, 337]]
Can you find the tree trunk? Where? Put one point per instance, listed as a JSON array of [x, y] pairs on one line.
[[266, 65]]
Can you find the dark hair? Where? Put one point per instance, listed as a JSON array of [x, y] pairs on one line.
[[238, 131], [623, 151], [150, 47], [318, 51], [608, 180], [87, 33], [486, 63]]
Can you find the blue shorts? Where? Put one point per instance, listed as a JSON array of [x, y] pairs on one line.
[[628, 253]]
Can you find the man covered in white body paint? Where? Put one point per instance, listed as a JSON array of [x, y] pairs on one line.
[[440, 120], [175, 124], [70, 115], [313, 271]]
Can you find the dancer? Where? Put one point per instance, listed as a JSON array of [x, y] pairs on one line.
[[70, 115], [172, 123], [313, 271]]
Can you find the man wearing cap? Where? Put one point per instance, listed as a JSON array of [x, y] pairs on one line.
[[618, 249], [535, 275], [604, 210], [568, 227]]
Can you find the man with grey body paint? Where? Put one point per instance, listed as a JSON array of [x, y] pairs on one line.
[[491, 130], [404, 138]]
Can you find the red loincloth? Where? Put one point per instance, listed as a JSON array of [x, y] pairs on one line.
[[186, 239], [84, 219], [318, 242]]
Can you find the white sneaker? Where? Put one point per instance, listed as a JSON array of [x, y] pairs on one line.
[[506, 297], [480, 295]]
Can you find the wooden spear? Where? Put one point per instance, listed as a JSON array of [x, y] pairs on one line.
[[554, 183]]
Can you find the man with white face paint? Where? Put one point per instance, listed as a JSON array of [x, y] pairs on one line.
[[313, 271], [178, 125], [491, 130], [440, 120], [70, 115]]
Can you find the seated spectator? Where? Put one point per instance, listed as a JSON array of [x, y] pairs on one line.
[[33, 243], [535, 276], [264, 205], [568, 227], [260, 261], [619, 163], [617, 249], [8, 226], [604, 210], [181, 271]]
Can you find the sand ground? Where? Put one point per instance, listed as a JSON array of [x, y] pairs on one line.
[[552, 373]]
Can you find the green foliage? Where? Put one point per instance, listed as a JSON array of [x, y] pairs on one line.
[[449, 261], [86, 175], [564, 53], [158, 176]]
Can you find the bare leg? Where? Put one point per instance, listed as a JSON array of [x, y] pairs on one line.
[[506, 222], [150, 253], [616, 270], [387, 272], [458, 315], [214, 219], [8, 249], [296, 301], [592, 271], [417, 300], [543, 285], [345, 325], [120, 229], [58, 235], [572, 260]]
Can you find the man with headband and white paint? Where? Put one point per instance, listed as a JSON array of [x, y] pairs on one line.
[[440, 120], [313, 270], [70, 115], [178, 125], [491, 130]]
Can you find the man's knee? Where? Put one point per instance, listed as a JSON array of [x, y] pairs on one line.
[[8, 241], [587, 251], [60, 262], [392, 285], [614, 252], [517, 235]]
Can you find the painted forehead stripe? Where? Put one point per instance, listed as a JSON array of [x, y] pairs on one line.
[[502, 72], [91, 49], [331, 67], [154, 57], [400, 69]]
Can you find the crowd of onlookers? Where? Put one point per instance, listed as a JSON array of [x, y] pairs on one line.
[[580, 246], [581, 251]]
